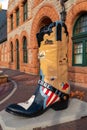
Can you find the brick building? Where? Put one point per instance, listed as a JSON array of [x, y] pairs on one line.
[[24, 20]]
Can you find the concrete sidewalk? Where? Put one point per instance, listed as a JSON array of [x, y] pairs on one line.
[[26, 85]]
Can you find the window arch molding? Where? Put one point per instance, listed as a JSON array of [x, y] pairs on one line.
[[80, 26], [80, 41]]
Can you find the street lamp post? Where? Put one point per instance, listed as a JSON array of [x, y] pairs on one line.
[[63, 12]]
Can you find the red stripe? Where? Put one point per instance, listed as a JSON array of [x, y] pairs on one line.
[[65, 86], [54, 99], [47, 92], [49, 98]]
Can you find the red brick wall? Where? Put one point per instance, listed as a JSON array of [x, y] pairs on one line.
[[46, 10], [36, 3]]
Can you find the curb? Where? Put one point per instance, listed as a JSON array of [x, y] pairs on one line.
[[11, 93]]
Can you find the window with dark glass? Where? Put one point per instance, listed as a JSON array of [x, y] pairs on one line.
[[25, 10], [12, 22], [17, 17], [11, 52], [25, 55], [65, 0], [17, 54], [80, 41]]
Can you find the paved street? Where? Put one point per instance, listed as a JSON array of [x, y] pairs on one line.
[[26, 85]]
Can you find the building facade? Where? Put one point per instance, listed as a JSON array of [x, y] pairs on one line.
[[24, 20]]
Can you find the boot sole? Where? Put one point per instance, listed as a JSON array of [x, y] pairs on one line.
[[56, 106], [60, 105]]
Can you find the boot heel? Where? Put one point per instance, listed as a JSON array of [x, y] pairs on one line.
[[60, 105]]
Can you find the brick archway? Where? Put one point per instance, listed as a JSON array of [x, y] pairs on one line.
[[72, 15], [46, 11]]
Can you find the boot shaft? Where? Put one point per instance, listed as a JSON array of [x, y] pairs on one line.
[[52, 41]]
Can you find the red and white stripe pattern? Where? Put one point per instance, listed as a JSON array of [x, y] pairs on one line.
[[52, 97]]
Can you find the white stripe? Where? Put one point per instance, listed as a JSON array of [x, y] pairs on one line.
[[45, 89], [49, 93]]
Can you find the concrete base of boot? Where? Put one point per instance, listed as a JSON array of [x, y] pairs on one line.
[[76, 110]]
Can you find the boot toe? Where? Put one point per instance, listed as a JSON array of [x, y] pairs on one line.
[[15, 109], [32, 111]]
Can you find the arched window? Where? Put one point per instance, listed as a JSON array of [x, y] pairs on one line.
[[17, 17], [11, 18], [80, 41], [25, 55], [25, 10], [11, 45], [17, 55]]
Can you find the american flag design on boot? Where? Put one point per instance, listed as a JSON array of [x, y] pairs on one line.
[[65, 86], [50, 97]]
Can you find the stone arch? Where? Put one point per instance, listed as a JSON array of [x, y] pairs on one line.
[[47, 10], [72, 16]]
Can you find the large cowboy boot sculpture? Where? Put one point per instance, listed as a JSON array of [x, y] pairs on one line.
[[53, 89]]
